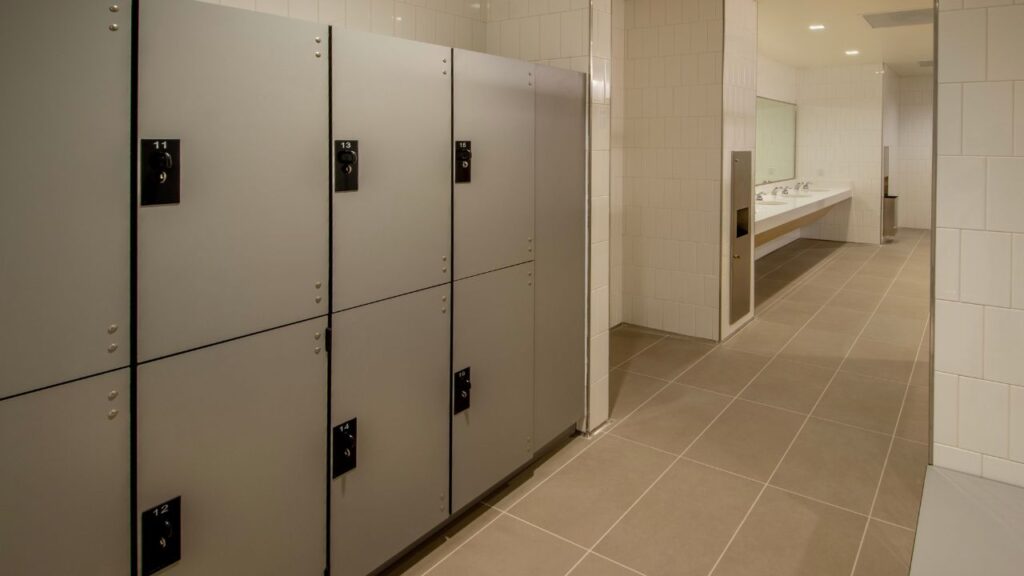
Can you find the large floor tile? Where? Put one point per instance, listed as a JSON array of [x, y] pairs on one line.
[[834, 279], [905, 307], [818, 347], [787, 535], [886, 551], [583, 499], [839, 319], [761, 337], [433, 550], [627, 341], [870, 284], [789, 384], [682, 525], [863, 401], [627, 391], [914, 420], [899, 496], [510, 547], [724, 371], [538, 471], [789, 312], [668, 358], [673, 418], [766, 291], [886, 327], [881, 360], [812, 294], [594, 565], [854, 300], [748, 439], [835, 463]]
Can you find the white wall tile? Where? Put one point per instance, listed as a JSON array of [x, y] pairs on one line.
[[950, 120], [1018, 271], [243, 4], [984, 267], [599, 357], [276, 7], [984, 412], [1018, 118], [958, 338], [1017, 423], [960, 192], [599, 310], [1004, 336], [1005, 43], [303, 10], [946, 398], [961, 56], [954, 458], [1005, 196], [947, 267], [1002, 470], [986, 107]]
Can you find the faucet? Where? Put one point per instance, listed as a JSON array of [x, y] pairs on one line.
[[785, 191], [759, 197], [805, 187], [775, 191]]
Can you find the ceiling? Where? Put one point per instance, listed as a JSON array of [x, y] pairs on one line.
[[783, 34]]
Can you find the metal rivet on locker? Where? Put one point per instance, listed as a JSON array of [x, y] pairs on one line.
[[112, 394], [316, 350], [112, 414], [317, 53], [112, 348], [316, 336], [113, 27], [317, 40], [112, 328], [318, 299], [318, 284], [114, 7]]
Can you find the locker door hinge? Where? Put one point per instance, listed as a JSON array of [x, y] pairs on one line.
[[328, 339], [461, 390]]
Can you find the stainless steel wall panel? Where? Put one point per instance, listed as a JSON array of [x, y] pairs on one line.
[[64, 176], [392, 235], [494, 106], [561, 253], [246, 248], [493, 336], [64, 481], [238, 430], [390, 372]]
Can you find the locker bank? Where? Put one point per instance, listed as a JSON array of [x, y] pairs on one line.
[[277, 297]]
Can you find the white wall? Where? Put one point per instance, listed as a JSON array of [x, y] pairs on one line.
[[839, 135], [554, 32], [617, 155], [891, 87], [673, 165], [978, 412], [739, 127], [775, 80], [912, 173]]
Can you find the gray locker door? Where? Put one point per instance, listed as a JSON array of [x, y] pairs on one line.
[[246, 248], [493, 336], [390, 373], [493, 103], [238, 431], [64, 479], [392, 235], [64, 191], [561, 296]]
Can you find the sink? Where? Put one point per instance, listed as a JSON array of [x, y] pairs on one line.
[[818, 190], [770, 203], [799, 196]]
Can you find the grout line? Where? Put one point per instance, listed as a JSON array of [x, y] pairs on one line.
[[888, 454], [701, 435], [817, 402], [645, 349]]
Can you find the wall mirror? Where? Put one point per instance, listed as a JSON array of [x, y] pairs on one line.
[[776, 141]]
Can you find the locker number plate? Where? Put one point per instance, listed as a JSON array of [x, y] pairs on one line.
[[161, 536]]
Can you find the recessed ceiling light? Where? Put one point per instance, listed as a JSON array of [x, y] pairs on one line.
[[816, 27], [852, 52]]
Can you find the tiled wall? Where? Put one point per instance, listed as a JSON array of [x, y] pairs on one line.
[[673, 165], [458, 23], [839, 134], [775, 80], [912, 173], [978, 412], [891, 87], [739, 127], [618, 141], [554, 32]]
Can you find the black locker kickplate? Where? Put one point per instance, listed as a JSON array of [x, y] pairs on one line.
[[346, 165], [161, 172], [161, 536], [343, 441], [463, 161], [463, 384]]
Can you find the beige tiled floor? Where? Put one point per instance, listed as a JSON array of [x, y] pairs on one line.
[[796, 447]]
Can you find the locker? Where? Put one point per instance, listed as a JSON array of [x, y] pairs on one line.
[[493, 337], [390, 374], [64, 482], [493, 113], [561, 304], [237, 431], [65, 206], [392, 233], [236, 240]]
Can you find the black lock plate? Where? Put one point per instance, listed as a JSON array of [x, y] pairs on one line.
[[161, 172], [343, 441], [346, 165], [463, 384], [463, 161], [161, 536]]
